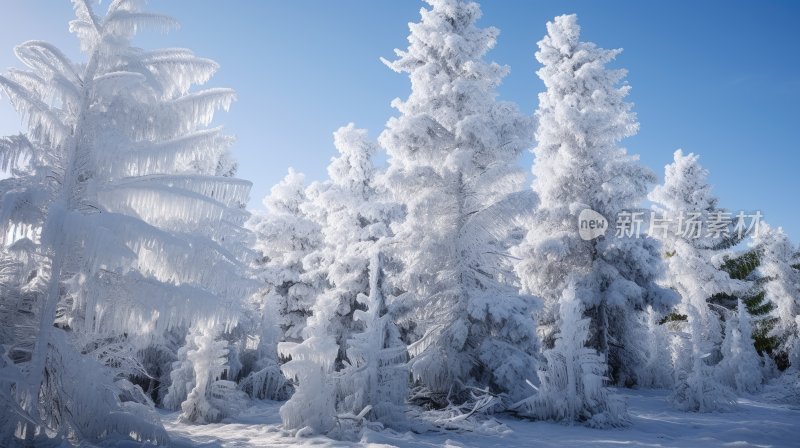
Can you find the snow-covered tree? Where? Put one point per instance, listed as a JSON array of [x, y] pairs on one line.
[[354, 216], [781, 285], [693, 270], [578, 165], [182, 376], [740, 367], [311, 364], [572, 385], [692, 259], [376, 377], [198, 387], [452, 153], [741, 263], [696, 388], [657, 370], [256, 340], [285, 236], [354, 219], [121, 200]]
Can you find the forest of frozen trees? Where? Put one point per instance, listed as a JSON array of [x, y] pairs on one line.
[[429, 294]]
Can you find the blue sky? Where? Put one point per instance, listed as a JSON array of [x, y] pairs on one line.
[[720, 78]]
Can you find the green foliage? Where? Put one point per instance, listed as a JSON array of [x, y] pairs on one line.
[[742, 267], [673, 317]]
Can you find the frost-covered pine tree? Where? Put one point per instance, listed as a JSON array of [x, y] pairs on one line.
[[572, 385], [696, 387], [354, 216], [693, 270], [578, 165], [692, 253], [781, 285], [452, 153], [657, 370], [354, 219], [286, 235], [312, 407], [740, 367], [375, 378], [121, 201], [198, 388]]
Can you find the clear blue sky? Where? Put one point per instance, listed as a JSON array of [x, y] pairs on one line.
[[721, 78]]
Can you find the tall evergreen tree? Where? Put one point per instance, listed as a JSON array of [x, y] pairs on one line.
[[578, 165], [354, 220], [452, 153], [285, 236], [354, 215], [683, 204], [693, 271], [131, 230]]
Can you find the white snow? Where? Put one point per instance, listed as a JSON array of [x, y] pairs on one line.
[[653, 424]]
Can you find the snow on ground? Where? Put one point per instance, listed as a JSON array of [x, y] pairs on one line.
[[753, 424]]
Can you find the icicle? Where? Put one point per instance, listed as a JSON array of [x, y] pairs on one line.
[[188, 154], [228, 190], [121, 21], [178, 69], [37, 114]]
